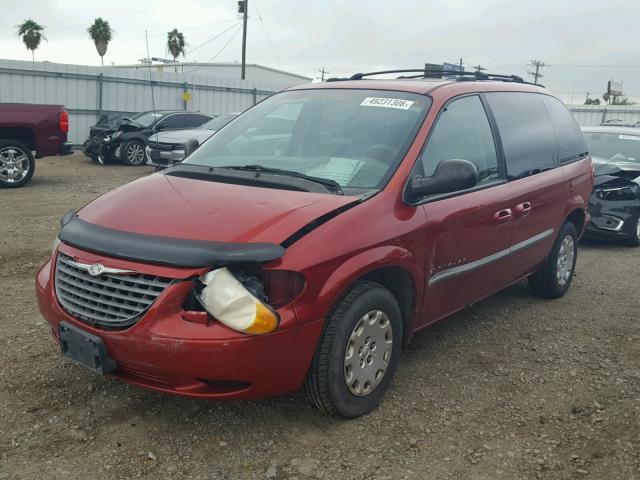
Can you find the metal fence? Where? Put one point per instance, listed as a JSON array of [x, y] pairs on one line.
[[87, 92], [592, 115]]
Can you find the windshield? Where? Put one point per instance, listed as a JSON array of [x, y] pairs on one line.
[[218, 122], [614, 146], [353, 137], [146, 119]]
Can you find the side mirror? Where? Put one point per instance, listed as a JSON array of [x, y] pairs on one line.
[[190, 146], [161, 126], [450, 176]]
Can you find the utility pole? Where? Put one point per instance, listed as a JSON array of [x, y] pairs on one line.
[[243, 7], [461, 64], [479, 68], [323, 72], [538, 64]]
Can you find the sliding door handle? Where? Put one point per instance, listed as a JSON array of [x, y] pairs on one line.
[[503, 216]]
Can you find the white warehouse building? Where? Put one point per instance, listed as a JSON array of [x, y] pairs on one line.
[[230, 70]]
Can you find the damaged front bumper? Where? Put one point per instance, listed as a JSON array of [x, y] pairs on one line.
[[166, 350]]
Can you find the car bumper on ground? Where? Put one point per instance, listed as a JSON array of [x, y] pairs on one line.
[[165, 352], [613, 220]]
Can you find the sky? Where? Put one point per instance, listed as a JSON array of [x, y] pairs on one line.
[[584, 43]]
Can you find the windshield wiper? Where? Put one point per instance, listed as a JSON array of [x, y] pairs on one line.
[[325, 182]]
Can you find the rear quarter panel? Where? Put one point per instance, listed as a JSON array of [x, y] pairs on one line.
[[42, 120]]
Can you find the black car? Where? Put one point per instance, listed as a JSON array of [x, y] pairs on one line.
[[165, 149], [615, 202], [127, 142]]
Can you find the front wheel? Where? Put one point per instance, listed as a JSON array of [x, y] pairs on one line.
[[553, 278], [16, 164], [133, 153], [358, 352]]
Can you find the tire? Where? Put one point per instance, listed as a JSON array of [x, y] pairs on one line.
[[133, 153], [553, 278], [17, 164], [634, 240], [326, 385]]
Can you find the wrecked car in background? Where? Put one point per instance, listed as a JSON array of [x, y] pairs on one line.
[[615, 202], [125, 141], [165, 149]]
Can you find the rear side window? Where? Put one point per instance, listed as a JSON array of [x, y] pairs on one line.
[[462, 131], [527, 135], [571, 143]]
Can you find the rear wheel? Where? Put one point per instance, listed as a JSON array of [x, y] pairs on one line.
[[133, 153], [634, 241], [16, 164], [357, 353], [553, 278]]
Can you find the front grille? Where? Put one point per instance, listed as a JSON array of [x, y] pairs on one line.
[[108, 300], [163, 147]]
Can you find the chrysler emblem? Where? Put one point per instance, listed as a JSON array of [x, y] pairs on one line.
[[95, 269]]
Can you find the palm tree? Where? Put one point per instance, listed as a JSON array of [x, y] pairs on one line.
[[175, 43], [100, 32], [31, 34]]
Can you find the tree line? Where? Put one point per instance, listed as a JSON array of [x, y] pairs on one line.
[[32, 35]]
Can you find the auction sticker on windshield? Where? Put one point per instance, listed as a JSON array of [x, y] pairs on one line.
[[387, 103]]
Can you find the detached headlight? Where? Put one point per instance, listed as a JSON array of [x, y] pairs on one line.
[[116, 134], [229, 301]]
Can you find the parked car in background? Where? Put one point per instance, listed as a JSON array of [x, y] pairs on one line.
[[273, 258], [127, 142], [27, 128], [165, 149], [615, 202], [99, 133]]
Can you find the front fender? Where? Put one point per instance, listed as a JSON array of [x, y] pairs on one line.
[[318, 300]]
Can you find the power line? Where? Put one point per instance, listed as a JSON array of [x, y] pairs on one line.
[[219, 51], [189, 29], [273, 48], [212, 38]]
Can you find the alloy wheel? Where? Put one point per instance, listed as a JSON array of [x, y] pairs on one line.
[[135, 153], [368, 353], [564, 266], [14, 165]]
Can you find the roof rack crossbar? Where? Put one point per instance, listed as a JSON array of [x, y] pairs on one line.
[[438, 73]]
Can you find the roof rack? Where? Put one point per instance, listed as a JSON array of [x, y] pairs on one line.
[[439, 73]]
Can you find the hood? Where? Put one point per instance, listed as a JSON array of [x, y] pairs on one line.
[[168, 206], [612, 167], [181, 136]]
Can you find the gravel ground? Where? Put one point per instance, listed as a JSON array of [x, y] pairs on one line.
[[513, 388]]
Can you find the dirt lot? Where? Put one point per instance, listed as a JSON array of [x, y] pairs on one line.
[[512, 388]]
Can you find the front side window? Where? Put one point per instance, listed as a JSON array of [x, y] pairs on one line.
[[528, 138], [172, 121], [462, 131], [354, 137]]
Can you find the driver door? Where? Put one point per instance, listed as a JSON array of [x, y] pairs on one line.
[[468, 232]]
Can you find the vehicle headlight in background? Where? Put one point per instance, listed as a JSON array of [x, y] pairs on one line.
[[231, 302], [116, 134]]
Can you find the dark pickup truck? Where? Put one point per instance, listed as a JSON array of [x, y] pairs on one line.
[[27, 128]]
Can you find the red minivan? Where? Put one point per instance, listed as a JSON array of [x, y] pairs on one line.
[[309, 239]]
